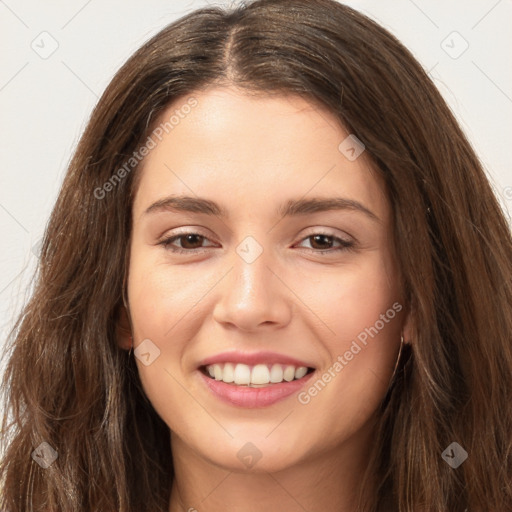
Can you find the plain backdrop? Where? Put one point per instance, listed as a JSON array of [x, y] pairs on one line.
[[58, 56]]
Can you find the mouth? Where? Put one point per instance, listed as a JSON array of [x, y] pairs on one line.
[[255, 376], [255, 386]]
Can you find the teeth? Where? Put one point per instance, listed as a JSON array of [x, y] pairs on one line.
[[300, 372], [289, 373], [258, 375], [276, 373], [242, 374], [228, 374]]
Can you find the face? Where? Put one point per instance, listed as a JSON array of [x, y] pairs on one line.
[[263, 277]]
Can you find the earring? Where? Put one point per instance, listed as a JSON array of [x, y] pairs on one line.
[[131, 348], [398, 358]]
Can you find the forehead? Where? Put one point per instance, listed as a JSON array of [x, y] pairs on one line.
[[253, 150]]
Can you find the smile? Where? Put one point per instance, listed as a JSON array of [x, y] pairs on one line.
[[249, 394], [259, 375]]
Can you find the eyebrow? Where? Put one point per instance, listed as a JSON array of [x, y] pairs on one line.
[[293, 207]]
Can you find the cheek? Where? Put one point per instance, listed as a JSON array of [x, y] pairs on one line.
[[161, 303], [362, 311], [161, 297], [354, 298]]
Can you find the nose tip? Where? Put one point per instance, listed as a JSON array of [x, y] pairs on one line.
[[252, 296]]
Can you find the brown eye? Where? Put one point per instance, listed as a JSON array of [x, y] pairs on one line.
[[321, 241], [190, 241], [324, 243]]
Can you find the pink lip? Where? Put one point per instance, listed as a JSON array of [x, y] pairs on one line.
[[244, 396], [253, 359]]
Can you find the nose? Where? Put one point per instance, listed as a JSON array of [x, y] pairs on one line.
[[254, 295]]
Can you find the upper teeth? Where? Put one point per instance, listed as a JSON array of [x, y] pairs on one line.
[[259, 374]]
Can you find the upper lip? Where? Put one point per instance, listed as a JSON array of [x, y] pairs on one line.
[[253, 358]]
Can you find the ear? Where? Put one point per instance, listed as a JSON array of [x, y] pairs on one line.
[[123, 328]]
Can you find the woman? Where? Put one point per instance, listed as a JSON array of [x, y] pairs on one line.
[[185, 350]]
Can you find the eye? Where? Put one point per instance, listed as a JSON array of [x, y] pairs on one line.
[[326, 241], [192, 243]]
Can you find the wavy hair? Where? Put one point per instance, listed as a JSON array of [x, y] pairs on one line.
[[69, 384]]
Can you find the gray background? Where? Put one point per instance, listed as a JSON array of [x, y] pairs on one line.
[[46, 98]]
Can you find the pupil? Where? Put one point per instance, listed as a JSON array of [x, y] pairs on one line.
[[316, 238], [188, 238]]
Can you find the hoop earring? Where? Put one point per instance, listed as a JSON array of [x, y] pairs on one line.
[[125, 302], [398, 358]]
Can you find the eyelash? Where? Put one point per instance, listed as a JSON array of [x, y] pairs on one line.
[[345, 244]]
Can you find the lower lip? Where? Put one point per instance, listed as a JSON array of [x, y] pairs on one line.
[[245, 396]]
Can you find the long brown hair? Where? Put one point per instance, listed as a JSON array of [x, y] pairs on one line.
[[69, 384]]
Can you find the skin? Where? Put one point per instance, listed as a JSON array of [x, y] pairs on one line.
[[251, 154]]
